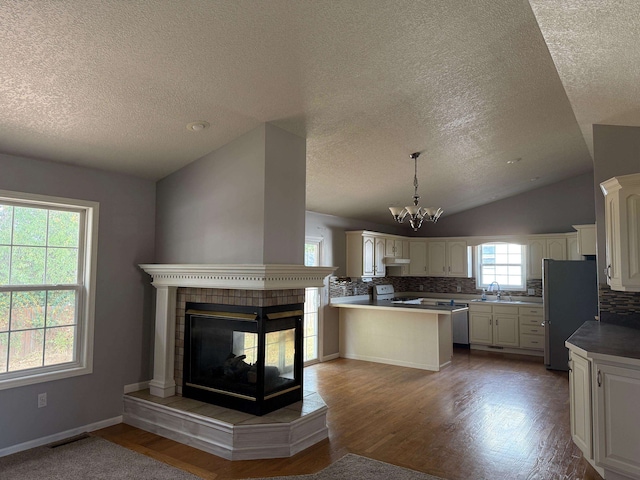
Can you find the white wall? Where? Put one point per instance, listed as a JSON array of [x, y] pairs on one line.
[[123, 317]]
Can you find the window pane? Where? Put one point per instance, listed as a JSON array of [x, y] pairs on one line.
[[63, 229], [27, 310], [311, 255], [6, 223], [25, 349], [29, 226], [5, 305], [61, 308], [310, 352], [27, 265], [5, 264], [4, 342], [62, 266], [59, 346]]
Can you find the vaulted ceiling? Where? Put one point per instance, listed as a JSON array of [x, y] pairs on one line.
[[471, 85]]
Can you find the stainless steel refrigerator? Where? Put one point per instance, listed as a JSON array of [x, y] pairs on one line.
[[570, 295]]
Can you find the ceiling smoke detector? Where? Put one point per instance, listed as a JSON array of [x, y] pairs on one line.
[[197, 126]]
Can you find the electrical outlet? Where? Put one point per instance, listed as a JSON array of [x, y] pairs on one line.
[[531, 291], [421, 288], [42, 400], [458, 289]]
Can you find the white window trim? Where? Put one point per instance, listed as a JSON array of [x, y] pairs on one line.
[[86, 317], [321, 293], [509, 288]]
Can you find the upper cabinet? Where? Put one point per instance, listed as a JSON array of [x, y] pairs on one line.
[[540, 247], [418, 258], [622, 224], [396, 247], [447, 258], [365, 254], [586, 239]]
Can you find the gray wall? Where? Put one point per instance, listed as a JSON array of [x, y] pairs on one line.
[[233, 205], [550, 209], [123, 317]]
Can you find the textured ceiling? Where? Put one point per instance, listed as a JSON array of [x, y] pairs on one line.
[[471, 85]]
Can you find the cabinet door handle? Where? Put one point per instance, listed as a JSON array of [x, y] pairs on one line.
[[496, 321], [599, 377], [609, 272]]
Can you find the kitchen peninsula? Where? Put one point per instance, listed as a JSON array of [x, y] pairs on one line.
[[408, 335]]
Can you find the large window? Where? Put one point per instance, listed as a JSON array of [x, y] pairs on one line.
[[47, 257], [502, 263]]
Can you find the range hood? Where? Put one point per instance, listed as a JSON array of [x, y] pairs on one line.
[[391, 261]]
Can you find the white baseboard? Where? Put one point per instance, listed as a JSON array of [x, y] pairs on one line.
[[136, 387], [56, 437], [333, 356]]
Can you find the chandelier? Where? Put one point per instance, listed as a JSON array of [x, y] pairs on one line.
[[415, 213]]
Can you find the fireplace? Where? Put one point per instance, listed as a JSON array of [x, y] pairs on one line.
[[243, 357]]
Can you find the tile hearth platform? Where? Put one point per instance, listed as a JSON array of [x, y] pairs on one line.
[[227, 433]]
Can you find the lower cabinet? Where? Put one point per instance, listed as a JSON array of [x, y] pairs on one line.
[[617, 425], [605, 425], [581, 408], [531, 329], [493, 325]]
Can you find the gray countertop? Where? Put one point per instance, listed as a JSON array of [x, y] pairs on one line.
[[389, 304], [606, 339]]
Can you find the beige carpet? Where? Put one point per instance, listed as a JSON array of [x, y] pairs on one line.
[[94, 458], [88, 458], [361, 468]]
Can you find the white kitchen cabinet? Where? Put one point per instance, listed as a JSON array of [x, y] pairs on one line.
[[495, 325], [541, 247], [586, 238], [580, 403], [394, 247], [480, 327], [622, 225], [531, 329], [573, 249], [505, 326], [418, 258], [365, 254], [447, 258], [617, 425]]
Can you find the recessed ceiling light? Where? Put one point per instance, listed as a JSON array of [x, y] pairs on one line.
[[197, 126], [516, 160], [535, 179]]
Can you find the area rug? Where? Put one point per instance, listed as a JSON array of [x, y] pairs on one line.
[[361, 468], [87, 458]]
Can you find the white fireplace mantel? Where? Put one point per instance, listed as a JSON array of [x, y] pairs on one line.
[[243, 277], [166, 278]]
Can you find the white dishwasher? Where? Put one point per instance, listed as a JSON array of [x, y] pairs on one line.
[[460, 323]]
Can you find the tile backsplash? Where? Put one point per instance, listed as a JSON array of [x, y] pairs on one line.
[[346, 287], [620, 308]]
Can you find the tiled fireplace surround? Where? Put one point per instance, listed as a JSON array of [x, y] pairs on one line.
[[256, 298]]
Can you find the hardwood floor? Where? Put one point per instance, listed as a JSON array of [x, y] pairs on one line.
[[488, 416]]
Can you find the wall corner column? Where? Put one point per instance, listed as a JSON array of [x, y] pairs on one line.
[[163, 383]]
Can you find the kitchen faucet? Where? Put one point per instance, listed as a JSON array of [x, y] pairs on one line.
[[499, 294]]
